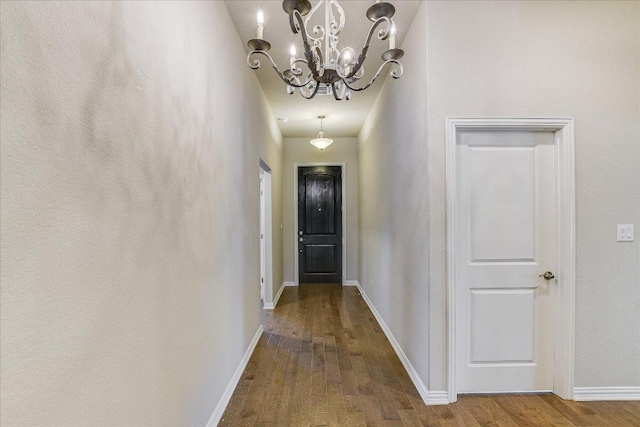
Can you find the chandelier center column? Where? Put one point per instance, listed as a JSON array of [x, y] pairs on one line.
[[328, 18]]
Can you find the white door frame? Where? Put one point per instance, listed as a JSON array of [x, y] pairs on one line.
[[296, 259], [268, 234], [565, 242], [263, 230]]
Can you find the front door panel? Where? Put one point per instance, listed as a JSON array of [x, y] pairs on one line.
[[320, 224]]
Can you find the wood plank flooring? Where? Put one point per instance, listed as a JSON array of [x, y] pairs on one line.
[[324, 361]]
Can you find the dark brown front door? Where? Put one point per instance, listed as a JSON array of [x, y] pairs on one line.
[[320, 224]]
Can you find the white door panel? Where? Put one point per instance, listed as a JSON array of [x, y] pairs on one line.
[[494, 340], [501, 203], [505, 238]]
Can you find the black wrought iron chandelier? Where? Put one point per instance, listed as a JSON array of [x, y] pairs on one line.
[[331, 70]]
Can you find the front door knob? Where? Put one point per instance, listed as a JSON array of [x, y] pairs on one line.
[[547, 275]]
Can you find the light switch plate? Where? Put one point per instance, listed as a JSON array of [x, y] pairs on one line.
[[625, 233]]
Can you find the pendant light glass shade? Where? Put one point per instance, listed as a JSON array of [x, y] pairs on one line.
[[321, 142]]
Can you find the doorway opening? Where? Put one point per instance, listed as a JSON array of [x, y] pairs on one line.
[[320, 223], [510, 217], [266, 246]]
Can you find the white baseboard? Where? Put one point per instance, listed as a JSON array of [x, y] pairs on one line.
[[351, 283], [272, 305], [584, 394], [290, 284], [433, 398], [437, 398], [228, 392]]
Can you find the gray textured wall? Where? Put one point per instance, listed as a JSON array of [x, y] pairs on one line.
[[508, 59], [394, 202], [552, 59], [130, 210]]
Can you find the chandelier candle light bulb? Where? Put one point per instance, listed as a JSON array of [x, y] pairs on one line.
[[260, 28], [347, 60], [292, 52], [392, 37]]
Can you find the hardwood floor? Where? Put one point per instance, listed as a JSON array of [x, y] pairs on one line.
[[324, 360]]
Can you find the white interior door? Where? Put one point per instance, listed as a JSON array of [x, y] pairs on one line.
[[505, 238]]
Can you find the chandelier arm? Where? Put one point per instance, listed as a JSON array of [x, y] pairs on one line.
[[308, 52], [320, 57], [382, 35], [394, 73], [301, 27], [315, 91], [256, 64], [297, 81], [309, 84], [298, 71], [335, 93], [302, 90], [299, 85], [294, 27]]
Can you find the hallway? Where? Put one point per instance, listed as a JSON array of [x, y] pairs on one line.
[[324, 360], [135, 243]]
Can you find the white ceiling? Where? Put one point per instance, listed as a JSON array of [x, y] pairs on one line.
[[344, 118]]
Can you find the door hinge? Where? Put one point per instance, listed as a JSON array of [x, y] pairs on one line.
[[262, 236], [262, 280]]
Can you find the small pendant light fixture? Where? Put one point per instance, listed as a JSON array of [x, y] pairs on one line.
[[321, 142]]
